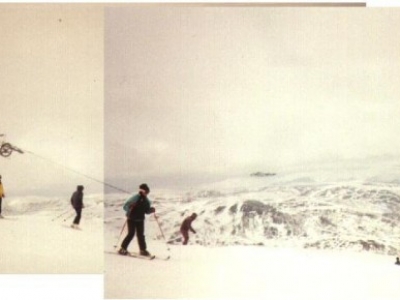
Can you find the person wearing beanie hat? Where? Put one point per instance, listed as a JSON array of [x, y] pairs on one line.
[[186, 226], [143, 188], [77, 204], [135, 208], [2, 195]]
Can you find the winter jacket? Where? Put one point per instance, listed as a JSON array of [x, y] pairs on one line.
[[136, 207], [1, 190], [77, 200], [187, 225]]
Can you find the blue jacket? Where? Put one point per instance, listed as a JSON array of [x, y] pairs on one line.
[[136, 207]]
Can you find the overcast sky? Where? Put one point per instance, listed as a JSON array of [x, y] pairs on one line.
[[51, 91], [234, 90]]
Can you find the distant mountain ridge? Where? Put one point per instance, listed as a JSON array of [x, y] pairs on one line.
[[262, 174], [354, 207], [364, 218]]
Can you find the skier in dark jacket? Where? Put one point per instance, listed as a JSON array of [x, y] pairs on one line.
[[77, 204], [186, 226], [136, 207], [397, 261]]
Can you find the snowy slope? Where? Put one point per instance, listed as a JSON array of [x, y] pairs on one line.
[[298, 235], [33, 241], [253, 272]]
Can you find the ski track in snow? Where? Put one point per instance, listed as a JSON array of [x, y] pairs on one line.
[[32, 243]]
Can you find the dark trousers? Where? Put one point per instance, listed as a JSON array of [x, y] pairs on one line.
[[185, 234], [138, 228], [0, 204], [78, 215]]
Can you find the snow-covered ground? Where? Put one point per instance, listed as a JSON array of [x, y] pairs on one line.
[[33, 240], [253, 272], [308, 235]]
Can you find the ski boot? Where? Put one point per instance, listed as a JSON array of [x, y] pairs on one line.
[[75, 226], [123, 251], [145, 253]]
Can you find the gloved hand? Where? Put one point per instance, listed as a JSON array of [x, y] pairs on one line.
[[152, 210]]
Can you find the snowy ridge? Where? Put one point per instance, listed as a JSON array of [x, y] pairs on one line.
[[289, 210], [333, 216], [46, 205]]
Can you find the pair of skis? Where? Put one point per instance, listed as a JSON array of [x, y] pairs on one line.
[[137, 255]]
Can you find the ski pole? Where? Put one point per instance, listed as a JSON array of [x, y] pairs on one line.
[[69, 216], [159, 226], [122, 230], [60, 215], [126, 221], [162, 233]]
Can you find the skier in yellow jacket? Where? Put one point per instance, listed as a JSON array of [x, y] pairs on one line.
[[2, 195]]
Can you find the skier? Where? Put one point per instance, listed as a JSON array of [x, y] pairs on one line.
[[2, 195], [186, 226], [136, 207], [397, 261], [77, 204]]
